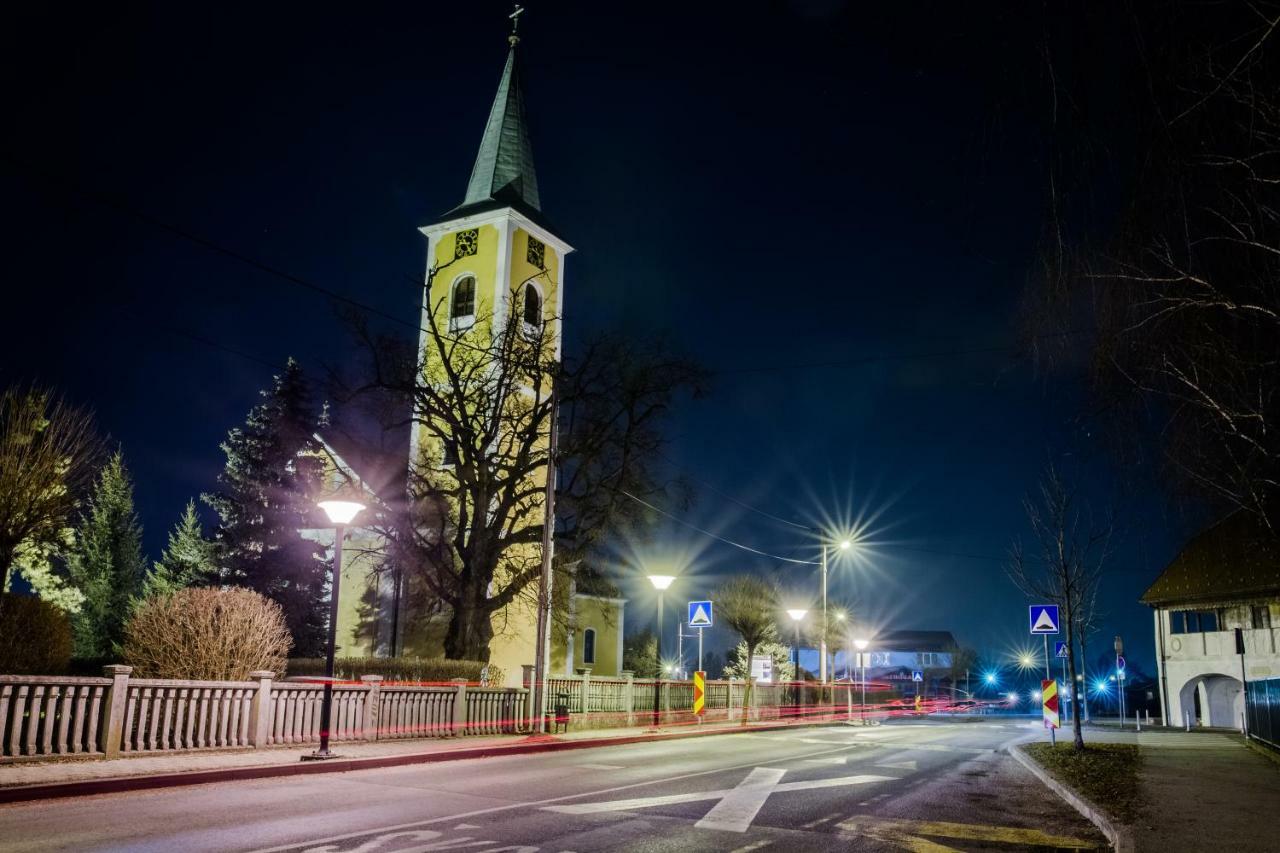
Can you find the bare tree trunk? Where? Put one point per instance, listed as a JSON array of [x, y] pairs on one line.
[[1077, 735], [746, 694], [469, 634]]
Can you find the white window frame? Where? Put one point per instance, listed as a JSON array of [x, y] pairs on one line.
[[461, 324]]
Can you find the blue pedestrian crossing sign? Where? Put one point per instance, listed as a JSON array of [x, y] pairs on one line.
[[1060, 649], [699, 614], [917, 675], [1044, 618]]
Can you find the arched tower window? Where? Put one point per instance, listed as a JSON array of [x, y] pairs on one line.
[[532, 307], [589, 646], [462, 306]]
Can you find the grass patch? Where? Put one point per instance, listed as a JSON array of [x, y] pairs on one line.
[[1106, 774]]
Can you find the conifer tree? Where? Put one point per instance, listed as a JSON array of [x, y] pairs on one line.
[[272, 476], [106, 563], [187, 560]]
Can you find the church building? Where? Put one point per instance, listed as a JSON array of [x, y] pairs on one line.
[[491, 261]]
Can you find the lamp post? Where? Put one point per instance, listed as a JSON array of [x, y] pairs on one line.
[[845, 545], [660, 583], [797, 616], [340, 513], [862, 660]]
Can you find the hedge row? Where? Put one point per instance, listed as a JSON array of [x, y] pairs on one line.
[[396, 669]]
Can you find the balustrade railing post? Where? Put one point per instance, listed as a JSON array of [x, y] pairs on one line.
[[111, 729], [629, 696], [260, 709], [586, 690], [372, 705], [528, 695], [459, 707], [728, 702]]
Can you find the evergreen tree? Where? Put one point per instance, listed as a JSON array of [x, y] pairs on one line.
[[106, 563], [271, 478], [188, 560]]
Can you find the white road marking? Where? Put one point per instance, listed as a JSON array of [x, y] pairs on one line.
[[740, 806], [297, 845], [466, 826], [747, 848], [839, 759], [736, 807], [600, 766], [900, 765]]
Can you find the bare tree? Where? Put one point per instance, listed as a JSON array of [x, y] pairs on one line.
[[481, 403], [749, 607], [48, 451], [1065, 564]]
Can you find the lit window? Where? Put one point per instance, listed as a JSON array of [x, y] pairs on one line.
[[532, 306], [462, 308], [589, 646]]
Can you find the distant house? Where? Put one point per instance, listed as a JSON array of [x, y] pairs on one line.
[[1227, 577], [896, 655]]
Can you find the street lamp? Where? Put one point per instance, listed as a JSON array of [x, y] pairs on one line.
[[844, 545], [340, 513], [862, 659], [660, 583], [797, 616]]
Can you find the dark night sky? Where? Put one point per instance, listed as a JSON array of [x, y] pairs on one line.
[[773, 186]]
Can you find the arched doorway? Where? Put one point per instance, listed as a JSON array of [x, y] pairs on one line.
[[1213, 699]]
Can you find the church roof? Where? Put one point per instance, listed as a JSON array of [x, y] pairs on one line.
[[504, 164], [1237, 558]]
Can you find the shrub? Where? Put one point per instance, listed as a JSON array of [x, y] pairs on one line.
[[397, 669], [35, 636], [206, 634]]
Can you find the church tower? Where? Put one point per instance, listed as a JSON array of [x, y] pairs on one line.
[[494, 265]]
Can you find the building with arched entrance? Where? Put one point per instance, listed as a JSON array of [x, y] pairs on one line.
[[1226, 578]]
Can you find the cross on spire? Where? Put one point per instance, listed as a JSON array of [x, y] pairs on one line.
[[514, 39]]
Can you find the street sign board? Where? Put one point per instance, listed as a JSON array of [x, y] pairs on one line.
[[699, 614], [1044, 618], [917, 675], [1049, 703], [1060, 649], [1120, 663], [762, 668], [699, 693]]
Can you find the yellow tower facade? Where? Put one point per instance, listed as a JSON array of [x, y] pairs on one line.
[[494, 267]]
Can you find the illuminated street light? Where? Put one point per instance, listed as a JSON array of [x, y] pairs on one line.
[[797, 616], [340, 514], [1013, 698], [990, 678], [660, 583], [845, 544], [1035, 694]]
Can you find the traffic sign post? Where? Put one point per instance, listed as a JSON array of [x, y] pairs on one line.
[[699, 694], [1049, 706], [1044, 618], [1060, 649], [700, 614]]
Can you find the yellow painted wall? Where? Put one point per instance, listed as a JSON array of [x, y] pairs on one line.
[[605, 618]]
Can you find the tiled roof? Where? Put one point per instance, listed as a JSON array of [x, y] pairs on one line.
[[1234, 559], [505, 159]]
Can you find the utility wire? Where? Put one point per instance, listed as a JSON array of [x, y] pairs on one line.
[[718, 538]]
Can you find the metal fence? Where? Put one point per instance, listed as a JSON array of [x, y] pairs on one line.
[[1262, 707]]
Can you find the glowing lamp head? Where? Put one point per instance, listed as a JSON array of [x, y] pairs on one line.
[[1025, 660], [845, 544], [862, 644], [1013, 697], [797, 615], [839, 615], [1035, 695], [1100, 686], [341, 512], [991, 678], [661, 581]]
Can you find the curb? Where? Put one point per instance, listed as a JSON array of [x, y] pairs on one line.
[[122, 784], [1119, 836]]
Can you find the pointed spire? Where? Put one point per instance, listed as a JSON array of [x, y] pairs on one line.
[[504, 165]]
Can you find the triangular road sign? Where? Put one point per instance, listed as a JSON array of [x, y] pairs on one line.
[[699, 614], [1044, 618]]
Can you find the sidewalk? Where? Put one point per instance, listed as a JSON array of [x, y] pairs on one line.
[[161, 770], [1202, 791]]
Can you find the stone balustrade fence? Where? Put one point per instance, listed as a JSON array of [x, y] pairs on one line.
[[48, 716]]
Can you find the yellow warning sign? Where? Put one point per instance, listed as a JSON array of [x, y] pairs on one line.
[[1049, 701], [699, 693]]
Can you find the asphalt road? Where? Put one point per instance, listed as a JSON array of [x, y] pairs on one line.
[[920, 786]]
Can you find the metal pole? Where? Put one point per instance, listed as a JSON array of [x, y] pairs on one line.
[[1045, 637], [1060, 692], [680, 649], [542, 653], [657, 681], [795, 674], [326, 709], [700, 669], [862, 659], [822, 642]]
